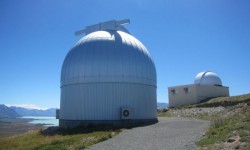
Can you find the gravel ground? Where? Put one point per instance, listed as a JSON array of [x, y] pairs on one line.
[[168, 133], [206, 112], [196, 112]]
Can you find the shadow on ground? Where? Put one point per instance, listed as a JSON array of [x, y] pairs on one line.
[[50, 131]]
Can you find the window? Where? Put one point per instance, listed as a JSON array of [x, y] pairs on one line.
[[174, 91], [187, 90]]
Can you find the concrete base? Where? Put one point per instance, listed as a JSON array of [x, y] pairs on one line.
[[123, 123]]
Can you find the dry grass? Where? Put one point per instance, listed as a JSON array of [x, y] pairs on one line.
[[224, 101], [61, 140], [223, 129], [239, 98]]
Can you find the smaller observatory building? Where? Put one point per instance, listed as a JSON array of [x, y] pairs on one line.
[[206, 85], [108, 77]]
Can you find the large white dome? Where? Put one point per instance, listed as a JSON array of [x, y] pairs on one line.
[[106, 72], [207, 78], [108, 56]]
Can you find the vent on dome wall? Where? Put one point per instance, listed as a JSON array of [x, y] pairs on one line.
[[126, 113], [108, 25]]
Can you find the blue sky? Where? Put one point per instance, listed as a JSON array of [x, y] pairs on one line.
[[184, 38]]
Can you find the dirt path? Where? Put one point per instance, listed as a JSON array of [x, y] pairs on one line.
[[168, 133]]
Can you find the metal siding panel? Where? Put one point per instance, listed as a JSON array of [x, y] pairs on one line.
[[102, 101]]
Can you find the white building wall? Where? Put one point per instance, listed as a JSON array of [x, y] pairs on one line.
[[196, 94], [206, 91], [182, 97], [103, 101]]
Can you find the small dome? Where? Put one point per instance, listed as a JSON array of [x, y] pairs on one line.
[[207, 78]]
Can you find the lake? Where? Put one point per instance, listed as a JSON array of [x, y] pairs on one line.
[[46, 121]]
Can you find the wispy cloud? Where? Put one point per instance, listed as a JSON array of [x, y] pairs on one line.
[[28, 106]]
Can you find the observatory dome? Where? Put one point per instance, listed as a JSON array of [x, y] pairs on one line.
[[108, 56], [107, 77], [207, 78]]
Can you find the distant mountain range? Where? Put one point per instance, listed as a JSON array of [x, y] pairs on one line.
[[6, 112], [161, 105], [34, 112], [13, 112]]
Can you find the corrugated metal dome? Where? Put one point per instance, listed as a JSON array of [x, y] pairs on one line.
[[207, 78], [108, 56], [108, 72]]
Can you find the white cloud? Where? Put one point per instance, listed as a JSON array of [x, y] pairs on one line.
[[28, 106]]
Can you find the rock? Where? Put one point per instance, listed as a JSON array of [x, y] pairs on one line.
[[230, 140]]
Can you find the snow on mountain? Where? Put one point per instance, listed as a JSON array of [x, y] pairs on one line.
[[34, 112], [27, 106]]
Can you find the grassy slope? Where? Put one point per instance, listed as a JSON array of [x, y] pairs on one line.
[[60, 140], [220, 101], [235, 122], [240, 98], [224, 127], [232, 98]]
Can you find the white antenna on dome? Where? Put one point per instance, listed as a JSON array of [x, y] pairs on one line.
[[109, 25]]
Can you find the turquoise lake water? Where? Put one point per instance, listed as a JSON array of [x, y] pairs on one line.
[[47, 121]]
